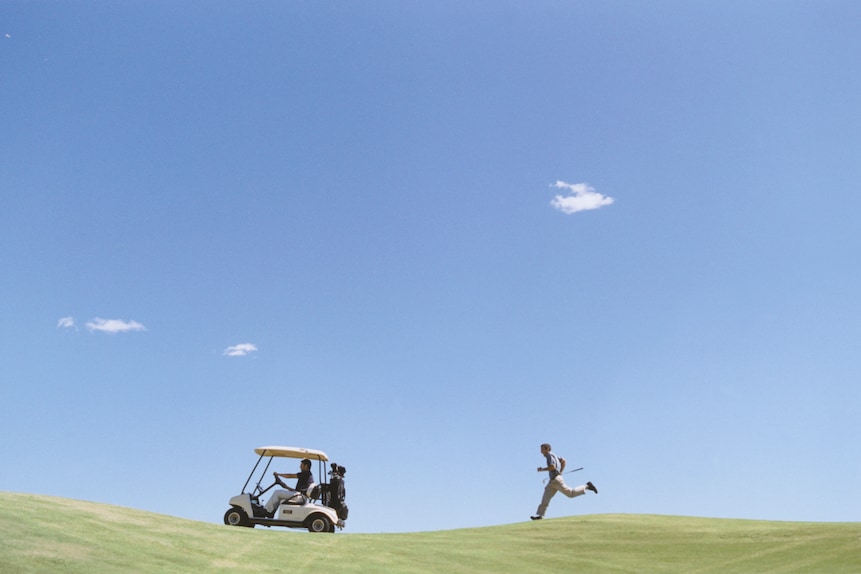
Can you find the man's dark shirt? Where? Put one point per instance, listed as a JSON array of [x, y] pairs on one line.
[[304, 478]]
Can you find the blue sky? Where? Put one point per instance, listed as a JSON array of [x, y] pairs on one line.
[[426, 237]]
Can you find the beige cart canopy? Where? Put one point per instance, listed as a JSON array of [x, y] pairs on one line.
[[292, 452]]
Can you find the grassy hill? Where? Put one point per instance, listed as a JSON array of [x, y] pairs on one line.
[[44, 534]]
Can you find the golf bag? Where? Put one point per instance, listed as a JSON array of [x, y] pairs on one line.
[[337, 493]]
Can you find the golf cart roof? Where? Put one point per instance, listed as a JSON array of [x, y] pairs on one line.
[[292, 452]]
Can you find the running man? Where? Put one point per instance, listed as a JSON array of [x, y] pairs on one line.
[[555, 467]]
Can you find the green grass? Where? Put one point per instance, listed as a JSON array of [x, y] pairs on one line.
[[44, 534]]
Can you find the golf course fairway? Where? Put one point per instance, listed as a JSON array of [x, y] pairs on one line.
[[47, 534]]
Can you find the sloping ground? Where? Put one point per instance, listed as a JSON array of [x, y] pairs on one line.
[[43, 534]]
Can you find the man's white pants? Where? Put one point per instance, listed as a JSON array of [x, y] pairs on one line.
[[554, 486], [278, 496]]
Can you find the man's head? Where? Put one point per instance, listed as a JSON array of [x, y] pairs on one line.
[[545, 448], [305, 464]]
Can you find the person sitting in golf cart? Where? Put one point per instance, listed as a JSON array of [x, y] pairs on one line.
[[304, 479]]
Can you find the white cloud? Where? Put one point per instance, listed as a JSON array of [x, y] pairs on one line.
[[582, 197], [240, 350], [114, 325], [66, 322]]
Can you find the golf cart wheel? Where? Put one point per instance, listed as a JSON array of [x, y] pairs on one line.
[[237, 517], [320, 523]]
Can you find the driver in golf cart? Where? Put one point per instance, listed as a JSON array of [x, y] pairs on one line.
[[304, 479]]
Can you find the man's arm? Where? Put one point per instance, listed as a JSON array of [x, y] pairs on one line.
[[561, 465], [286, 475]]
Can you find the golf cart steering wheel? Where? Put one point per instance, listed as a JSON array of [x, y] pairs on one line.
[[278, 480]]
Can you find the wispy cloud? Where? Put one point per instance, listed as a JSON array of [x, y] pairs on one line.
[[66, 323], [114, 325], [240, 350], [581, 197]]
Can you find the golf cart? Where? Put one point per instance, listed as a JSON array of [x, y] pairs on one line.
[[320, 508]]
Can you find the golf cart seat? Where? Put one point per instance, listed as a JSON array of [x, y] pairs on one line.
[[313, 491]]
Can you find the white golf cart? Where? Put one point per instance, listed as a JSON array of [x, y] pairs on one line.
[[301, 510]]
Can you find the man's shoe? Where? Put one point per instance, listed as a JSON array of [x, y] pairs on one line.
[[536, 517], [590, 486]]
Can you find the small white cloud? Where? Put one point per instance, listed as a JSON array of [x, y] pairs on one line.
[[582, 197], [114, 325], [240, 350], [66, 323]]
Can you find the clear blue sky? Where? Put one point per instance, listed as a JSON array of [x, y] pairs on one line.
[[426, 237]]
